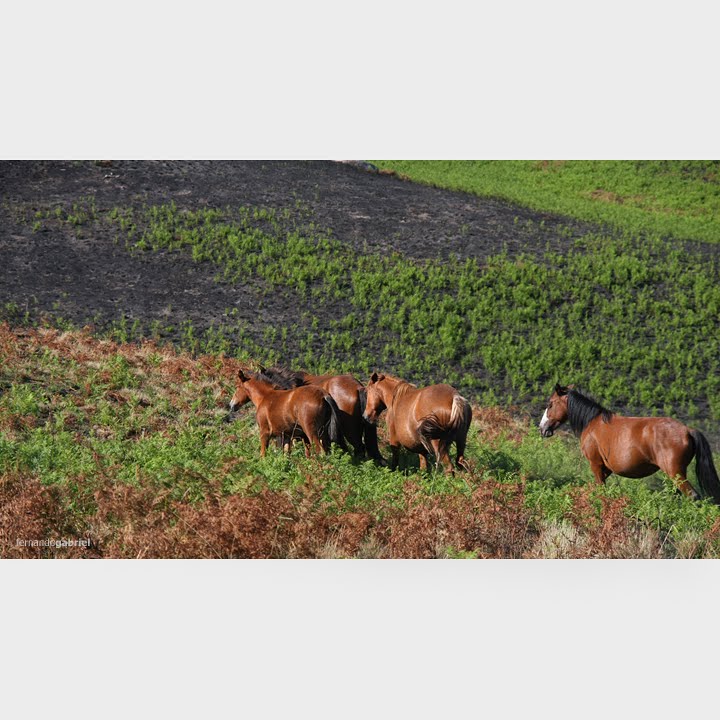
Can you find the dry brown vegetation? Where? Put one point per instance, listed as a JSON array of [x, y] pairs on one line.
[[491, 522]]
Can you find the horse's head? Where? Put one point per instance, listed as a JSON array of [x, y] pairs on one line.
[[374, 404], [556, 412], [241, 395]]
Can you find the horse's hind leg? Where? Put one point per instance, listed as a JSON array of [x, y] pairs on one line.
[[370, 440], [423, 461], [352, 429], [676, 470], [687, 488], [284, 441], [394, 457], [460, 442], [445, 459], [324, 439], [306, 443], [442, 455], [313, 440]]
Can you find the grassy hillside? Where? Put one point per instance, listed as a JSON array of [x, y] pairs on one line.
[[126, 444], [634, 321], [665, 197]]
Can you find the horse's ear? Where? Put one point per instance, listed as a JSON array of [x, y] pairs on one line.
[[261, 369], [560, 390], [242, 376], [374, 377]]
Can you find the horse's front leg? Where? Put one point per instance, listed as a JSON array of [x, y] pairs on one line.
[[591, 451], [264, 437]]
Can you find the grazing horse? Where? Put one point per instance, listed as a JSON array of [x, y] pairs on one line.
[[350, 396], [306, 411], [632, 447], [423, 420]]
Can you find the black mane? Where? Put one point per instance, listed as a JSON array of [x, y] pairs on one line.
[[582, 409], [282, 378]]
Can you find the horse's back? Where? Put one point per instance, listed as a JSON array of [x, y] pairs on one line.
[[308, 394], [434, 398], [643, 429], [635, 446], [344, 389], [286, 407]]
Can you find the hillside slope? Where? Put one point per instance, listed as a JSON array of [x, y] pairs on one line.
[[324, 266], [125, 447]]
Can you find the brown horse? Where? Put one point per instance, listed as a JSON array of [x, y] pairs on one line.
[[350, 396], [423, 420], [633, 447], [306, 411]]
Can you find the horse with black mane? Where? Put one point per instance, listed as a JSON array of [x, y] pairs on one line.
[[632, 447], [423, 420], [349, 395], [306, 412]]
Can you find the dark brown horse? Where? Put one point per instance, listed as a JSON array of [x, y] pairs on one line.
[[350, 397], [632, 447], [423, 420], [307, 412]]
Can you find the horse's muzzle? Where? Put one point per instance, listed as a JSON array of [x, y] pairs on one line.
[[547, 432], [369, 420]]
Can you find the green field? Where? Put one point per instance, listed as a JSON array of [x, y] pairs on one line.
[[634, 320], [663, 197], [127, 444]]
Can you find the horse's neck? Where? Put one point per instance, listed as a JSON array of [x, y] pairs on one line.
[[399, 389], [258, 391]]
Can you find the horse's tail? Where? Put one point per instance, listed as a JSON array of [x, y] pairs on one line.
[[433, 428], [705, 468], [461, 415], [331, 427], [369, 431]]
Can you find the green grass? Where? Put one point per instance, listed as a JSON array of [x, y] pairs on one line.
[[131, 417], [632, 315], [665, 197]]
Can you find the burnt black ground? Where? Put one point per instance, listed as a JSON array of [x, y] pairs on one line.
[[91, 278]]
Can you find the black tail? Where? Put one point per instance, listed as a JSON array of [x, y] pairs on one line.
[[332, 429], [705, 468]]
